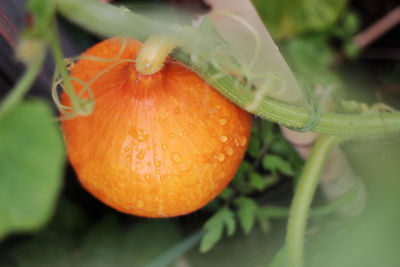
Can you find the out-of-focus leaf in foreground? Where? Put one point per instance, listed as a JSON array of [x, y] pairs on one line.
[[31, 167]]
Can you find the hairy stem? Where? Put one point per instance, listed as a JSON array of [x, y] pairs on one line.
[[24, 83], [303, 197]]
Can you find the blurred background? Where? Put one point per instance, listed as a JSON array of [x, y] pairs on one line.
[[333, 44]]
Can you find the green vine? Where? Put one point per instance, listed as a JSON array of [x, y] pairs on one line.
[[303, 197]]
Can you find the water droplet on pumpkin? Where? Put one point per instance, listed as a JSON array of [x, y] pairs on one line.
[[147, 177], [148, 163], [180, 134], [229, 150], [126, 149], [236, 141], [139, 134], [176, 158], [141, 154], [223, 138], [177, 110], [157, 171], [243, 141], [221, 157], [157, 163], [140, 204], [164, 147], [172, 135], [136, 148], [222, 122], [129, 158]]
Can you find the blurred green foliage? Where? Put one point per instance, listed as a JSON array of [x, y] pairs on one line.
[[31, 167], [287, 18]]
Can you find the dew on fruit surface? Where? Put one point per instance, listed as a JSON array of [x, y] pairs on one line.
[[129, 158], [147, 177], [140, 204], [158, 172], [157, 163], [223, 138], [176, 158], [136, 148], [222, 122], [243, 141], [139, 134], [236, 141], [177, 110], [126, 149], [141, 154], [148, 163], [221, 157], [164, 147], [229, 150]]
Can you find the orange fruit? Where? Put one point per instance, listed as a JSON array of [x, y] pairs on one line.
[[156, 145]]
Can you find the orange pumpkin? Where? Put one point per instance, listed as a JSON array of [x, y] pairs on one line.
[[156, 145]]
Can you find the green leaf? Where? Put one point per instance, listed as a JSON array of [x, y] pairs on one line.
[[215, 227], [277, 164], [293, 17], [261, 182], [247, 213], [31, 167]]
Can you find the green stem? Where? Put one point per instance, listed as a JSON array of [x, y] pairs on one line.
[[303, 197], [108, 20], [24, 83], [59, 60], [347, 125]]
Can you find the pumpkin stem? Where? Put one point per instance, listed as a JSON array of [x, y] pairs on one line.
[[153, 54]]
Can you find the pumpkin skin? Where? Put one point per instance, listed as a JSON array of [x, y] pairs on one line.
[[156, 145]]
